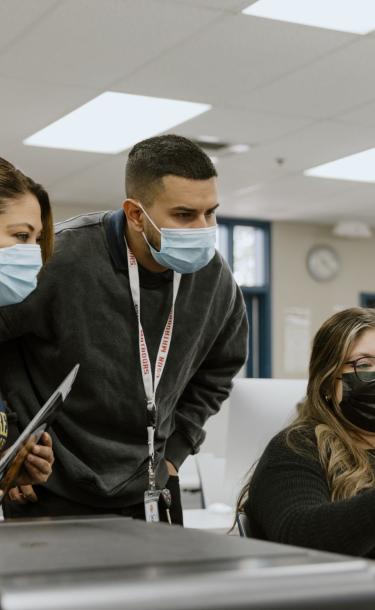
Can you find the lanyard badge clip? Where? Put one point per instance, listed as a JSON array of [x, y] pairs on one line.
[[151, 426], [151, 496], [151, 499]]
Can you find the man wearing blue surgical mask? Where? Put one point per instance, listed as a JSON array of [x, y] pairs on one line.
[[147, 306], [181, 233]]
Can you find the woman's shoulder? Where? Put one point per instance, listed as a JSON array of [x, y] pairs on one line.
[[292, 444]]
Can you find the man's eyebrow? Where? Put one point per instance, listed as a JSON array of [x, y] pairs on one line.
[[21, 224], [183, 208]]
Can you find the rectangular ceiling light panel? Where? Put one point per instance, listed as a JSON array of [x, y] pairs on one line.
[[113, 122], [359, 167], [355, 16]]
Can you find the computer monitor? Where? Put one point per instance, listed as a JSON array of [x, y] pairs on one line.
[[259, 409]]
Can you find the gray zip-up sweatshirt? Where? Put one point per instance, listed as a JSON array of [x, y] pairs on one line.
[[82, 311]]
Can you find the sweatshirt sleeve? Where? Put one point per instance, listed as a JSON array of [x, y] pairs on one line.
[[16, 320], [290, 500], [5, 329], [210, 385]]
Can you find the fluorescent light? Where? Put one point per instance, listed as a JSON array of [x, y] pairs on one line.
[[355, 16], [112, 122], [358, 168]]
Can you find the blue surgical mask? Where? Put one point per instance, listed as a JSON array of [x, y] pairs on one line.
[[183, 250], [19, 267]]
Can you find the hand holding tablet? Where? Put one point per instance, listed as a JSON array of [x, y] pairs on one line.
[[13, 469]]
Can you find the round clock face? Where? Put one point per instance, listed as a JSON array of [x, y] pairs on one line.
[[322, 263]]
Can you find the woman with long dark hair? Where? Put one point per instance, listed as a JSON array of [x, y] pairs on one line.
[[26, 243]]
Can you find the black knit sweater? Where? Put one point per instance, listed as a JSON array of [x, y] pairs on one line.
[[289, 502]]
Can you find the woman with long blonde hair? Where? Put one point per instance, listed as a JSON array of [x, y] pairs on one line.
[[314, 485]]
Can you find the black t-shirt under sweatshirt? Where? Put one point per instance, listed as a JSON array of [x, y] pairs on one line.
[[290, 502], [82, 311]]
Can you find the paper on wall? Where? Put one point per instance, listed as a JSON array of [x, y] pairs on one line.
[[297, 333]]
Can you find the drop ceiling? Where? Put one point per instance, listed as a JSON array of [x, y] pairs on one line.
[[300, 96]]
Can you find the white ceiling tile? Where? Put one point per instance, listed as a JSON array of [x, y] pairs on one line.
[[223, 62], [25, 108], [246, 173], [318, 143], [92, 43], [102, 185], [363, 115], [48, 165], [29, 106], [240, 126], [356, 203], [325, 88], [219, 5], [17, 16], [304, 198], [198, 50], [246, 176]]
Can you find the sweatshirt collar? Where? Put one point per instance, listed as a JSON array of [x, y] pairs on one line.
[[115, 231]]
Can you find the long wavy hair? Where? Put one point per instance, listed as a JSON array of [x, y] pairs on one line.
[[14, 184], [340, 444]]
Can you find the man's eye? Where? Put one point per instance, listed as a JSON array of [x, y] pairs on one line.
[[22, 236]]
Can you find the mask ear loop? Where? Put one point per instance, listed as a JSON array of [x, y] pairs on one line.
[[153, 224], [149, 218]]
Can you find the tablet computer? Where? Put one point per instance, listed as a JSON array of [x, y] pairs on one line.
[[13, 458]]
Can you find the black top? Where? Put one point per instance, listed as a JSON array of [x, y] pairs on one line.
[[289, 502]]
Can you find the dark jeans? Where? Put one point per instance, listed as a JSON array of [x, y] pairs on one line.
[[51, 505]]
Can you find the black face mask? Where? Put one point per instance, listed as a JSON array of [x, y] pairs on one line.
[[358, 400]]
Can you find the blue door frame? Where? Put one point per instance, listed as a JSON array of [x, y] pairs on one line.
[[367, 299], [256, 295]]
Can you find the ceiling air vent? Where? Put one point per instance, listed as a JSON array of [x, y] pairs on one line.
[[211, 145], [216, 148]]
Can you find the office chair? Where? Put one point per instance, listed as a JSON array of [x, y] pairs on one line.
[[243, 525]]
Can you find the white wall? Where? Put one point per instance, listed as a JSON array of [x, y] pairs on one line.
[[292, 287]]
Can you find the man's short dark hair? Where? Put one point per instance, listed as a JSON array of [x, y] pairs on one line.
[[170, 155]]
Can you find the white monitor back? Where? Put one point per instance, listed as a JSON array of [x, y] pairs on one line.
[[259, 409]]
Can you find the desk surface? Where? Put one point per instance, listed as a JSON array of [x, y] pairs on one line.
[[112, 562]]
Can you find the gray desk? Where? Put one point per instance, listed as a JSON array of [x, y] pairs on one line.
[[112, 563]]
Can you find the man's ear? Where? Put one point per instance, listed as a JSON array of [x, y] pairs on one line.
[[133, 214]]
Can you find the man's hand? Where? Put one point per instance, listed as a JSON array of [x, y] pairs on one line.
[[36, 470], [171, 469]]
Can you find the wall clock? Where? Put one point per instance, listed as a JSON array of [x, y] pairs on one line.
[[322, 263]]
